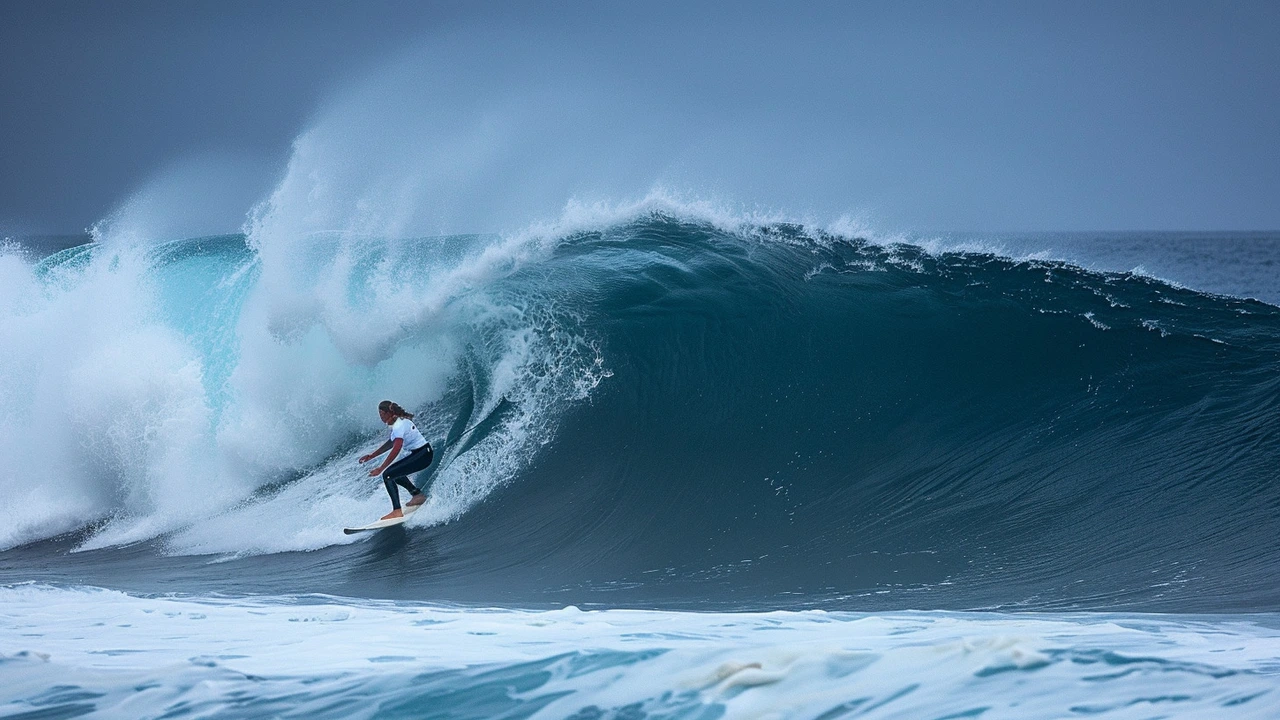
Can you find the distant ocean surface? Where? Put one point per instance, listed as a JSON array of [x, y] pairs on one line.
[[688, 465]]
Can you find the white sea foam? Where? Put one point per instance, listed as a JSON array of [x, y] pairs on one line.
[[103, 410], [320, 655], [113, 395]]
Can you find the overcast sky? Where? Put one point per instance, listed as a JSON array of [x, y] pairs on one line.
[[915, 116]]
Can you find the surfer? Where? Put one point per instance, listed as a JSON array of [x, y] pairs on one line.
[[404, 436]]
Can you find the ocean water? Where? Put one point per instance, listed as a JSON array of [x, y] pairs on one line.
[[720, 466]]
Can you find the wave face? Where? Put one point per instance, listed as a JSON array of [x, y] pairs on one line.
[[670, 409]]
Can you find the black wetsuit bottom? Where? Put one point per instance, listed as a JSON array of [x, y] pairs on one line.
[[400, 470]]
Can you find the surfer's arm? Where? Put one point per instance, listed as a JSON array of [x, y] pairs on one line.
[[395, 450], [385, 447]]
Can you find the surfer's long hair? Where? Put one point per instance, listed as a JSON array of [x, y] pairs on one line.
[[389, 407]]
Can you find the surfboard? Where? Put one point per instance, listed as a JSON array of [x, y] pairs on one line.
[[382, 523]]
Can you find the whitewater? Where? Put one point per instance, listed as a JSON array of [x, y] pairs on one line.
[[328, 657]]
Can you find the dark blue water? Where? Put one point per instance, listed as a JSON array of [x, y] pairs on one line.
[[757, 417], [1017, 476]]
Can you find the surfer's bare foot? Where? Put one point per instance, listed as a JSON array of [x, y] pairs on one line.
[[393, 514], [417, 500]]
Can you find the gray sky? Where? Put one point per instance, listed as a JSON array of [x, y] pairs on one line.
[[917, 116]]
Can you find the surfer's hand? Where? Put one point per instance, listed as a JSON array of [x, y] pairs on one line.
[[375, 472], [363, 459]]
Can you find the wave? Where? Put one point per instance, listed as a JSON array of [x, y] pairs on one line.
[[674, 404]]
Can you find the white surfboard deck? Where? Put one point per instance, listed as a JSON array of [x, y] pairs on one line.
[[383, 523]]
